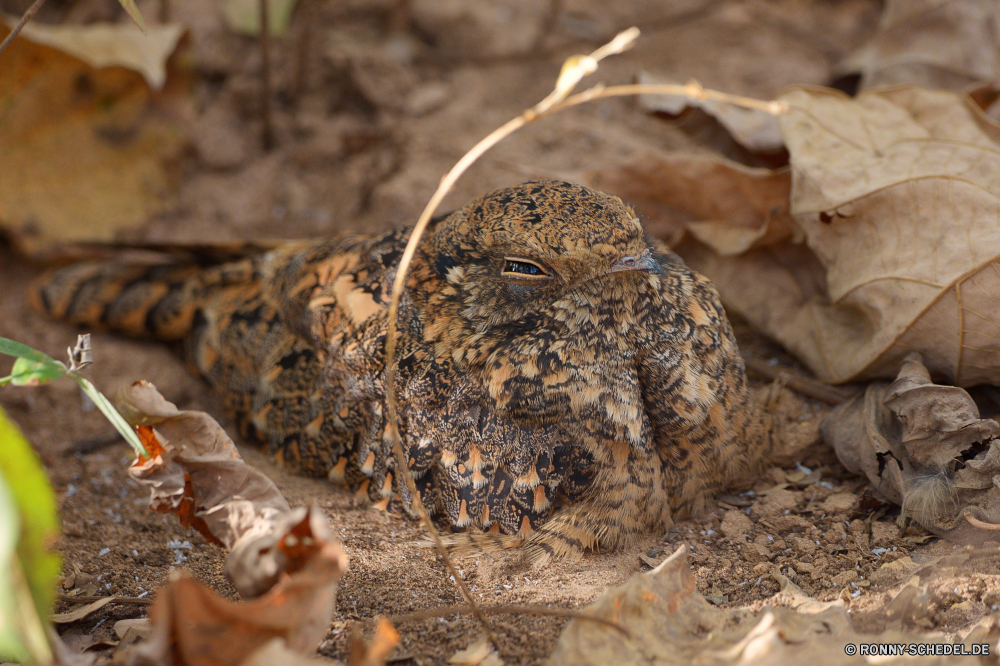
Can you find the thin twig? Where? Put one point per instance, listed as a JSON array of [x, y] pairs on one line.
[[807, 386], [390, 369], [506, 610], [265, 87], [84, 599], [309, 13], [692, 90], [418, 504], [572, 72], [32, 10]]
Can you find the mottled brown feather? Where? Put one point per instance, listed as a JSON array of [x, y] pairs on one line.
[[565, 411]]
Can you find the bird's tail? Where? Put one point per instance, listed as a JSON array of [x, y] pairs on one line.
[[156, 300]]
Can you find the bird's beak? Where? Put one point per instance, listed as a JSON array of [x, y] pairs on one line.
[[637, 262]]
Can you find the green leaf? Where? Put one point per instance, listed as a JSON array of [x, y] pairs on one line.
[[117, 420], [133, 11], [33, 367], [29, 526], [31, 373], [12, 348], [11, 642]]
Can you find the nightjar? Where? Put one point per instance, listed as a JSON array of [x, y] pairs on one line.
[[565, 381]]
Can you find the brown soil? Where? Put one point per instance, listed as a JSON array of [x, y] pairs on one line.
[[388, 99]]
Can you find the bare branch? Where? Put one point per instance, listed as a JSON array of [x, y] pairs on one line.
[[32, 10]]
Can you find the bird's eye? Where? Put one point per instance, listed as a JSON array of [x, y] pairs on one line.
[[522, 268]]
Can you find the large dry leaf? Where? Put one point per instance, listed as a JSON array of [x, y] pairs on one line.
[[194, 626], [111, 45], [924, 447], [85, 150], [285, 558], [195, 471], [897, 193], [949, 44], [669, 622], [897, 198]]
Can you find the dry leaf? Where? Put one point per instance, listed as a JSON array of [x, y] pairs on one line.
[[111, 45], [196, 472], [139, 625], [81, 612], [896, 197], [922, 446], [85, 151], [65, 656], [284, 557], [755, 130], [81, 642], [131, 637], [950, 45], [377, 651], [670, 623], [731, 207], [194, 626]]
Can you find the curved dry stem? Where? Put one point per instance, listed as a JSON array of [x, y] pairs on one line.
[[975, 522], [572, 72], [692, 90]]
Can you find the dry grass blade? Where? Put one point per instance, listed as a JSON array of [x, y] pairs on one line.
[[87, 599], [82, 612], [574, 69]]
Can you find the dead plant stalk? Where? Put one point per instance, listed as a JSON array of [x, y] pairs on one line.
[[267, 137], [573, 70], [31, 11]]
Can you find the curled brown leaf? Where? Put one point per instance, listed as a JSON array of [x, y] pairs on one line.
[[284, 559], [196, 472], [922, 446]]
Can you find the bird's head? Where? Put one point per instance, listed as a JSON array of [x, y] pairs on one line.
[[513, 253]]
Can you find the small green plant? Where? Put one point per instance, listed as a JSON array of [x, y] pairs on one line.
[[32, 367], [29, 524], [29, 520]]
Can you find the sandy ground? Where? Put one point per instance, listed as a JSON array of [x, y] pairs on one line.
[[386, 101]]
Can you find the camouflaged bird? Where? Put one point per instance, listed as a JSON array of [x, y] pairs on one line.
[[564, 381]]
